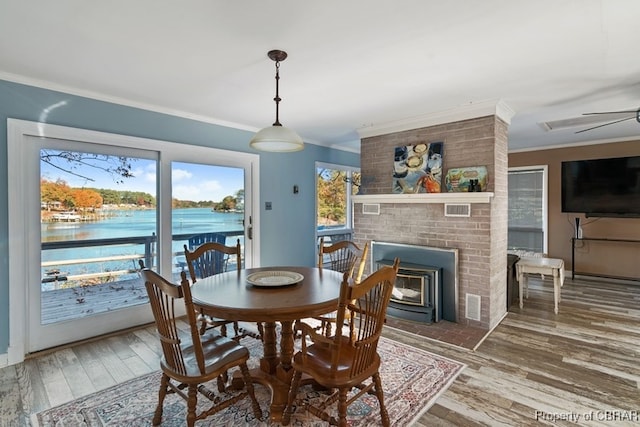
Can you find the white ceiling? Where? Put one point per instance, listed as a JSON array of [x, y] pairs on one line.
[[354, 66]]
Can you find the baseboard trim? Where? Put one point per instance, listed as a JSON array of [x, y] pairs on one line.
[[490, 331], [4, 360]]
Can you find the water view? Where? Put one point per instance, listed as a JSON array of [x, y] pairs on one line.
[[99, 218], [123, 224]]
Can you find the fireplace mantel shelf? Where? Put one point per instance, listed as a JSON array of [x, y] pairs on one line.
[[481, 197]]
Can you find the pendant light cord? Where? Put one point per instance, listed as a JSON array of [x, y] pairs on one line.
[[277, 98]]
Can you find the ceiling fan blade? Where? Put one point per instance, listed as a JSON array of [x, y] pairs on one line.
[[610, 112], [606, 124], [637, 111]]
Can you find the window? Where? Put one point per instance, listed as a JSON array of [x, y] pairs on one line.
[[94, 234], [97, 220], [335, 185], [528, 209]]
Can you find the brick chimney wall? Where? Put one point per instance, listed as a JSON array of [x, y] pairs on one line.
[[481, 239]]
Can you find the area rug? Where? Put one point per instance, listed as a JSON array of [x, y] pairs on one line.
[[412, 380]]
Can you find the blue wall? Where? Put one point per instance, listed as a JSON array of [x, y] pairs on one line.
[[287, 231]]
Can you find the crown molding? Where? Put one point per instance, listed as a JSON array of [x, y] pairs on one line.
[[468, 111], [574, 144]]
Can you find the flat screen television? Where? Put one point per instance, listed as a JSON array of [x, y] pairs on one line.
[[602, 187]]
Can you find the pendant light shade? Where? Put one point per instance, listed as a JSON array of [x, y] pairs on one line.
[[277, 138]]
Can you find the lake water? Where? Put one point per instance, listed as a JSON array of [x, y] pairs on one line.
[[128, 223]]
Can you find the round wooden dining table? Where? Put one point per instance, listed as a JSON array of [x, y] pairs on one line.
[[230, 296]]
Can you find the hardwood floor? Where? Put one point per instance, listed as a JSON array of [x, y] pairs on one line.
[[581, 363]]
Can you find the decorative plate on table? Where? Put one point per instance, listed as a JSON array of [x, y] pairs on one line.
[[274, 278]]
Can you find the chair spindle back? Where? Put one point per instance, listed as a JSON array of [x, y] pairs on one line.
[[344, 256], [165, 298], [364, 307], [208, 259]]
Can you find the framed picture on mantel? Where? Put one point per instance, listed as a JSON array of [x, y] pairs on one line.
[[418, 168], [466, 179]]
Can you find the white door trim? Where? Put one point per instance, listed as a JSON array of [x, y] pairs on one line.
[[20, 216]]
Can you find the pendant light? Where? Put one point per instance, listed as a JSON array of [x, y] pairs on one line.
[[277, 138]]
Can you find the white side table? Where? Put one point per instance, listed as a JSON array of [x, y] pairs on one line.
[[550, 266]]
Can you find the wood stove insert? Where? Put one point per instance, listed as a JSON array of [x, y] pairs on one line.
[[412, 257], [417, 294]]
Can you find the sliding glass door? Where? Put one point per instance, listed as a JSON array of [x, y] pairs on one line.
[[207, 205], [86, 209], [97, 221]]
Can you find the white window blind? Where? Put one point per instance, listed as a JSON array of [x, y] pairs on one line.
[[527, 210]]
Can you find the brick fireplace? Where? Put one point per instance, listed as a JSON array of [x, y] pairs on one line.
[[419, 219]]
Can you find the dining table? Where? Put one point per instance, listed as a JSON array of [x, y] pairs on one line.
[[270, 295]]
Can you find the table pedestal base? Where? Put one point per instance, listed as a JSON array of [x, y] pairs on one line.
[[278, 385], [279, 390]]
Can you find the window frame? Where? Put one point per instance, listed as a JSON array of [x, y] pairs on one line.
[[24, 206], [348, 228], [544, 200]]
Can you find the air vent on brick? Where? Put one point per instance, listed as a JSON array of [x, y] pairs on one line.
[[457, 209], [371, 208], [473, 307]]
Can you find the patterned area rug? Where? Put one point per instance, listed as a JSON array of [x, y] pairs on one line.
[[412, 379]]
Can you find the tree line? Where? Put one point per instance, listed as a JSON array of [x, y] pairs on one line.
[[53, 193], [59, 193]]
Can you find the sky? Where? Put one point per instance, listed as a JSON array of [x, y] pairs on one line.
[[190, 181]]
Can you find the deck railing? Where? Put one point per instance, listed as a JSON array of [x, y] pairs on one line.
[[53, 269], [147, 254]]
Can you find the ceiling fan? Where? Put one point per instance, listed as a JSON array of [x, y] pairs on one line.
[[632, 114]]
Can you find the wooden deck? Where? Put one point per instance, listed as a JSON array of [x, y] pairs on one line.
[[71, 303]]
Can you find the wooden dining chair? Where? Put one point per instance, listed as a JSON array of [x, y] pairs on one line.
[[346, 257], [348, 359], [207, 260], [343, 256], [220, 259], [191, 361]]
